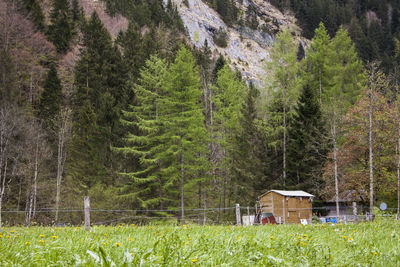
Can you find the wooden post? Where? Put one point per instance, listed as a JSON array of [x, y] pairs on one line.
[[238, 220], [87, 213], [355, 211], [284, 212]]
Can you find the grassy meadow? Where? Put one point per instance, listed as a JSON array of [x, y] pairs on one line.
[[363, 244]]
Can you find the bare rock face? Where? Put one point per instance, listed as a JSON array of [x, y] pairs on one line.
[[247, 49]]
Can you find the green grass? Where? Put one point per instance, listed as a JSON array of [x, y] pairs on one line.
[[364, 244]]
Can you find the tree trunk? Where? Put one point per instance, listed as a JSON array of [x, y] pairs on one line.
[[199, 205], [61, 157], [336, 167], [320, 86], [35, 176], [371, 173], [398, 170], [284, 145], [182, 175], [205, 207]]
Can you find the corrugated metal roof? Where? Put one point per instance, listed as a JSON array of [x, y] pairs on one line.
[[297, 193]]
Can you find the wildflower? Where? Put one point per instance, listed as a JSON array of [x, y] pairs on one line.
[[132, 224], [105, 234], [299, 237], [131, 239], [194, 260], [54, 237], [1, 236], [344, 236], [375, 253], [12, 231], [7, 236], [117, 244], [271, 237], [304, 235], [350, 239], [123, 224], [41, 236], [27, 243], [41, 241], [303, 243]]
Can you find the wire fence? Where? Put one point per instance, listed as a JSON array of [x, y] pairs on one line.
[[74, 216]]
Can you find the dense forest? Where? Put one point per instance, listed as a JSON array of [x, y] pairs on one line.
[[143, 120]]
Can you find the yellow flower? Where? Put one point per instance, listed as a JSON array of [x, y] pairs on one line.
[[117, 244], [131, 239], [304, 235], [271, 237], [105, 234], [350, 239], [375, 253], [41, 241], [123, 224], [299, 237], [12, 231], [132, 224], [7, 236], [344, 236], [54, 237], [194, 260], [27, 243], [41, 236], [303, 243]]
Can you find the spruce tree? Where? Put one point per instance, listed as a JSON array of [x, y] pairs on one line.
[[85, 165], [51, 98], [60, 30], [308, 143], [35, 13], [249, 155]]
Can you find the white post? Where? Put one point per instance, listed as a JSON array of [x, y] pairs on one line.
[[87, 213], [238, 220], [355, 211]]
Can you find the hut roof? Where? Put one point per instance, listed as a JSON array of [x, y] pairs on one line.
[[297, 193]]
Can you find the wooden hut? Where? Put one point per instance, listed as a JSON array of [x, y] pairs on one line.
[[286, 206]]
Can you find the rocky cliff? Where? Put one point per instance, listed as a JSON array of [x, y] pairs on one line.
[[247, 49]]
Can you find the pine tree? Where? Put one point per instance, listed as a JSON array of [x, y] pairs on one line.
[[145, 183], [51, 98], [61, 28], [185, 133], [308, 143]]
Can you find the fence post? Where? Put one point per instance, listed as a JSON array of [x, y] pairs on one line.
[[238, 220], [87, 213], [355, 211], [284, 212]]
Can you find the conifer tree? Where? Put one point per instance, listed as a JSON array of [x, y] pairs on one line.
[[35, 13], [307, 143], [145, 184], [317, 59], [85, 163], [249, 155], [282, 86], [345, 80], [228, 100], [185, 133], [51, 97], [60, 30]]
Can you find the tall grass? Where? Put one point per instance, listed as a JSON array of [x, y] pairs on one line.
[[363, 244]]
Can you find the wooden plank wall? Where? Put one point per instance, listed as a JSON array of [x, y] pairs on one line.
[[295, 208]]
